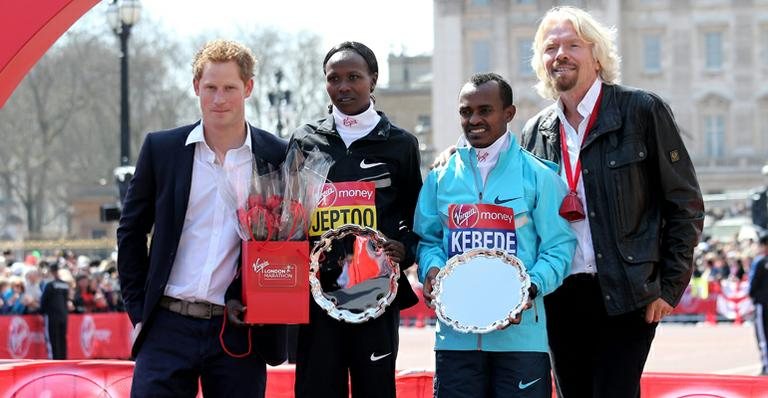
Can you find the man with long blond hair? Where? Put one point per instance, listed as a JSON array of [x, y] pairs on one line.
[[175, 292], [634, 204]]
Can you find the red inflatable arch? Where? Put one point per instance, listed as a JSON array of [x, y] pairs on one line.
[[27, 30]]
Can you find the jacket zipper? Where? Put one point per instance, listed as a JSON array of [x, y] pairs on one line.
[[478, 185], [480, 188]]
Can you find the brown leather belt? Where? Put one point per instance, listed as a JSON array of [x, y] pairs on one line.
[[200, 310]]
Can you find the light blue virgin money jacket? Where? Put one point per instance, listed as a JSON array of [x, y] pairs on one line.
[[545, 243]]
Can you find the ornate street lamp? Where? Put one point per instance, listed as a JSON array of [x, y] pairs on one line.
[[122, 15], [278, 98]]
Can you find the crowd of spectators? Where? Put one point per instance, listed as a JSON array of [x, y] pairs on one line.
[[724, 261], [94, 286], [727, 257]]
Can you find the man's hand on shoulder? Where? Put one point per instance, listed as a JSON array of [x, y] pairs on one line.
[[442, 157]]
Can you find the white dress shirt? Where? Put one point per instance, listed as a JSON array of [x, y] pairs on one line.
[[209, 247], [584, 257]]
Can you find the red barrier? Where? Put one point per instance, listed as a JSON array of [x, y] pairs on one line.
[[65, 379], [88, 336], [675, 385], [418, 314], [112, 379]]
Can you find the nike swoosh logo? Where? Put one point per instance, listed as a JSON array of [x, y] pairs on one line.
[[502, 201], [523, 386], [375, 357], [364, 165]]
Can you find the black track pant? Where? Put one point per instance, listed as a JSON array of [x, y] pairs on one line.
[[333, 354]]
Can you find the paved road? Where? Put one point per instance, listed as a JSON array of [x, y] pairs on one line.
[[681, 348]]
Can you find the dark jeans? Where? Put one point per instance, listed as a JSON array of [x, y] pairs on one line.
[[180, 351], [593, 354]]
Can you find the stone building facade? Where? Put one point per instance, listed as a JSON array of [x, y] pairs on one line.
[[707, 58]]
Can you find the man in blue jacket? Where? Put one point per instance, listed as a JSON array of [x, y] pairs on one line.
[[493, 173]]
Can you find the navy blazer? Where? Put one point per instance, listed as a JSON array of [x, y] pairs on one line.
[[157, 198]]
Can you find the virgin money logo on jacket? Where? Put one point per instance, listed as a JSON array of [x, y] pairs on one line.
[[347, 194], [463, 216], [483, 226], [327, 196]]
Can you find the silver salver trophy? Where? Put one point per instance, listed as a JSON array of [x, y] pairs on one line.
[[481, 290], [350, 276]]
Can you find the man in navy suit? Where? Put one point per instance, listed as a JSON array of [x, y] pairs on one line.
[[175, 291]]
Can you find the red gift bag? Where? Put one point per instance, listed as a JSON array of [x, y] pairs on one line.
[[276, 282]]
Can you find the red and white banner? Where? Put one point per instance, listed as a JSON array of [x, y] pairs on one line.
[[105, 335]]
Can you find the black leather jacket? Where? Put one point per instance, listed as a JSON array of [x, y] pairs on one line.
[[645, 208]]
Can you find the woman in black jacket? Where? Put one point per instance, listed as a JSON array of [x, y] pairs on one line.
[[370, 155]]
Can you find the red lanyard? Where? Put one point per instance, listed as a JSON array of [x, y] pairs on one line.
[[573, 176]]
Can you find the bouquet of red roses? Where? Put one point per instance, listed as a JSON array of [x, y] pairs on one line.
[[278, 201], [273, 220]]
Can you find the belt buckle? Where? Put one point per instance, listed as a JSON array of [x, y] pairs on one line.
[[183, 307], [208, 310]]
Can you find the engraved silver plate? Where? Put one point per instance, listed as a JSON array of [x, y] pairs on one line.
[[350, 276], [481, 290]]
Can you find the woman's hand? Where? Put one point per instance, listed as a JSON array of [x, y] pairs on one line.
[[394, 250]]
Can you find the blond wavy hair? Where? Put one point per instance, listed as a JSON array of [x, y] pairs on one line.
[[601, 37], [220, 51]]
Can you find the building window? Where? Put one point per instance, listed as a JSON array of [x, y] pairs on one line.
[[524, 1], [713, 50], [652, 53], [524, 54], [481, 56], [714, 131], [480, 2]]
